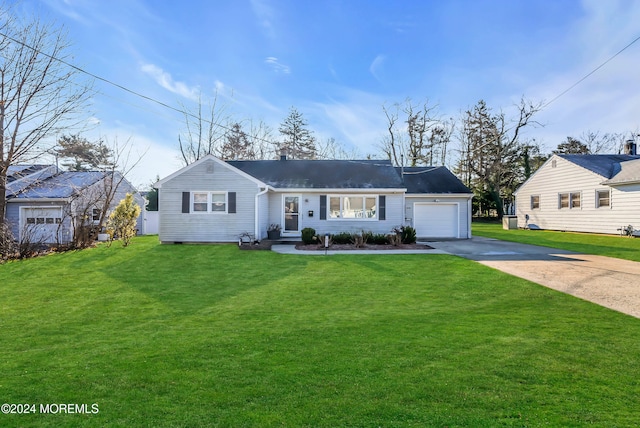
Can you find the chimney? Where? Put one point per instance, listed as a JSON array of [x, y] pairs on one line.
[[630, 148], [283, 154]]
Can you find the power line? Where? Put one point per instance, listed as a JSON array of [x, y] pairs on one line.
[[590, 73], [124, 88]]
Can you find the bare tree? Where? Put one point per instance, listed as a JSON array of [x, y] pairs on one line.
[[331, 149], [89, 208], [606, 142], [40, 93], [203, 135], [261, 137], [415, 135], [392, 143]]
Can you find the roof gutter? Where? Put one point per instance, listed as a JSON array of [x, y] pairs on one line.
[[354, 190], [57, 200]]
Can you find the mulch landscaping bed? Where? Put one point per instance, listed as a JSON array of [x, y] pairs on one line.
[[266, 245], [262, 245], [342, 247]]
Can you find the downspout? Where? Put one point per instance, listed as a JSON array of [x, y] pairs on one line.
[[257, 212], [469, 215]]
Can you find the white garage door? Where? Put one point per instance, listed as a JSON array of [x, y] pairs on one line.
[[436, 220], [40, 225]]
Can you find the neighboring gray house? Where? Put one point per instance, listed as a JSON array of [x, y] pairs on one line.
[[212, 200], [582, 193], [41, 200]]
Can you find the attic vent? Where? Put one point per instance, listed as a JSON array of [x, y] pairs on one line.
[[209, 168], [553, 163]]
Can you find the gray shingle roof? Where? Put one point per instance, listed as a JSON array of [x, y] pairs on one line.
[[432, 179], [17, 172], [62, 185], [604, 165], [628, 172], [323, 174]]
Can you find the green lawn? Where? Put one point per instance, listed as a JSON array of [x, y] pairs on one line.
[[589, 243], [213, 336]]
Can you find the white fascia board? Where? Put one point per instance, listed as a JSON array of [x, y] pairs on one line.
[[158, 184], [336, 191], [58, 200], [439, 195]]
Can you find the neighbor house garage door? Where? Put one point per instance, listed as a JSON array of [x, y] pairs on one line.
[[436, 220], [40, 225]]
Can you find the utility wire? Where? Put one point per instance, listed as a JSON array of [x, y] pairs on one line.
[[124, 88], [590, 73]]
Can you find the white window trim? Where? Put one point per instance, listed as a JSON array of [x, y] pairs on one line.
[[598, 199], [569, 206], [209, 202], [571, 195], [342, 196], [531, 202]]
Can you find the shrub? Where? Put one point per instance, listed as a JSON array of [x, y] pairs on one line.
[[394, 239], [378, 239], [309, 235], [123, 219], [408, 235], [359, 239], [342, 238]]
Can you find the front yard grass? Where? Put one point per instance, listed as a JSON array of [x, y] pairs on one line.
[[195, 335], [588, 243]]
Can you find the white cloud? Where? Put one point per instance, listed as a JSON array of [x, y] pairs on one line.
[[265, 15], [165, 80], [605, 101], [277, 66], [376, 66], [357, 119]]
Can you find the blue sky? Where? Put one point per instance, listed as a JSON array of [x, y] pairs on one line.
[[338, 62]]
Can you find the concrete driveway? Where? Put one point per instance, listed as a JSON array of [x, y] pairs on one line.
[[612, 283]]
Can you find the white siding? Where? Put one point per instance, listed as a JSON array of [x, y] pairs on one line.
[[464, 213], [206, 176], [548, 182], [311, 202], [263, 212]]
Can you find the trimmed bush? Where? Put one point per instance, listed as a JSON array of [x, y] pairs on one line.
[[309, 235], [378, 239], [342, 238], [408, 235]]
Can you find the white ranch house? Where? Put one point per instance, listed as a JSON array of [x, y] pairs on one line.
[[582, 193], [212, 200]]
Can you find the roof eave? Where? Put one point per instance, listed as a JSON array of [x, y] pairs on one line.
[[620, 183], [17, 200], [337, 190], [439, 195]]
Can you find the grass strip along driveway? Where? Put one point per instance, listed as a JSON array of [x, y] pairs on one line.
[[212, 336], [587, 243]]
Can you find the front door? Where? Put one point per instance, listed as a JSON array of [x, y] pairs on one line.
[[291, 215]]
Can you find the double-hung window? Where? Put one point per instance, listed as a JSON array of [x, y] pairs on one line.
[[353, 207], [209, 202], [603, 198], [563, 200], [569, 200], [575, 200], [535, 202]]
